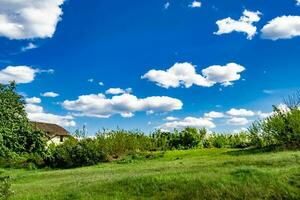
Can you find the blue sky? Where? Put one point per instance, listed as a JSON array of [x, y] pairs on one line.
[[245, 57]]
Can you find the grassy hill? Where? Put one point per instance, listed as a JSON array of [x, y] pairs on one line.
[[192, 174]]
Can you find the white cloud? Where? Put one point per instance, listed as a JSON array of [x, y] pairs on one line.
[[213, 115], [33, 100], [240, 112], [36, 113], [188, 122], [19, 74], [185, 74], [223, 74], [115, 91], [238, 121], [101, 83], [170, 118], [27, 19], [167, 5], [284, 27], [263, 115], [298, 2], [195, 4], [91, 80], [33, 108], [50, 94], [98, 105], [244, 24], [28, 47]]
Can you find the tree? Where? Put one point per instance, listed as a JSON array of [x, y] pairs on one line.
[[16, 133], [280, 129]]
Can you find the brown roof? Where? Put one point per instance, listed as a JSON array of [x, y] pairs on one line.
[[51, 129]]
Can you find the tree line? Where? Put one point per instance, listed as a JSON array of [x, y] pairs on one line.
[[21, 145]]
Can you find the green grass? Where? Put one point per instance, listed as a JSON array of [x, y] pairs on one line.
[[193, 174]]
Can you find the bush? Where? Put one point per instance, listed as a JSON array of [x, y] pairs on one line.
[[74, 153], [240, 140], [5, 187], [185, 139], [120, 142], [280, 129]]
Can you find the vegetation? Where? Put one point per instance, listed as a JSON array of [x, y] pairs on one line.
[[281, 129], [16, 134], [179, 174], [5, 187], [199, 171]]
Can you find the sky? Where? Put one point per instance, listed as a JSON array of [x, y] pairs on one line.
[[150, 64]]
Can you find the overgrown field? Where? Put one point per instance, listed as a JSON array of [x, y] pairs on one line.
[[189, 174]]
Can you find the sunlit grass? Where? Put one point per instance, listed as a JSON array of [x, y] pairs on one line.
[[193, 174]]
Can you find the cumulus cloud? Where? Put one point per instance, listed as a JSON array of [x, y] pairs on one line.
[[240, 112], [238, 121], [284, 27], [188, 122], [223, 74], [19, 74], [263, 115], [27, 19], [214, 114], [36, 113], [185, 74], [98, 105], [50, 94], [33, 100], [116, 91], [195, 4], [298, 2], [244, 24]]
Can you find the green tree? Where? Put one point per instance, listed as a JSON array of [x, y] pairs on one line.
[[16, 133]]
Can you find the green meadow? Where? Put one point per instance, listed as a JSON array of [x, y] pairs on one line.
[[180, 174]]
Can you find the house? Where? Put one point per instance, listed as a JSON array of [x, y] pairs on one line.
[[55, 133]]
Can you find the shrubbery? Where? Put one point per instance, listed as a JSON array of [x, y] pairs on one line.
[[5, 187], [23, 146], [75, 153], [282, 129]]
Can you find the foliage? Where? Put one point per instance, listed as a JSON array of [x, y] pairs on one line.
[[240, 140], [75, 153], [16, 134], [5, 187], [185, 139], [282, 129], [116, 143]]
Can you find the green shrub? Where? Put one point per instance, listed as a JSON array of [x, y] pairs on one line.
[[5, 188], [280, 129], [74, 153], [120, 142]]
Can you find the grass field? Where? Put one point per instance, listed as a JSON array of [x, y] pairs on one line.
[[192, 174]]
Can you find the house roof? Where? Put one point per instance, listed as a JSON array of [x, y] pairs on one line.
[[51, 129]]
